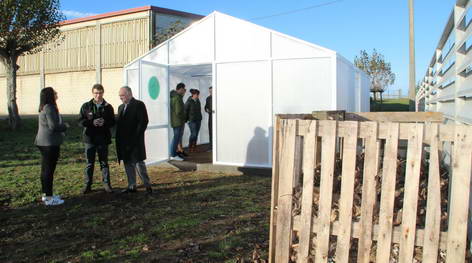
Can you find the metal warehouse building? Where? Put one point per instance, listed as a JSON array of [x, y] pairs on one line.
[[94, 50]]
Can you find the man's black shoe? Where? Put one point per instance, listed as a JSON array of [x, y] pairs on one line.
[[128, 190], [87, 189], [149, 190]]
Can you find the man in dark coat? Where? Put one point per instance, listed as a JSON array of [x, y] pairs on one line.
[[209, 110], [130, 127], [96, 117]]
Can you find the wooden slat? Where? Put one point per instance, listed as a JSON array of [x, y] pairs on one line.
[[459, 205], [326, 189], [368, 192], [356, 232], [410, 204], [433, 206], [347, 193], [396, 116], [284, 208], [446, 132], [276, 146], [309, 161], [384, 239]]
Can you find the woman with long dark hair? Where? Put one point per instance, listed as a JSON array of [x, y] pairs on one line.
[[50, 136], [193, 111]]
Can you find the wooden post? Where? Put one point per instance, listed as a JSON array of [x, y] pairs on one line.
[[326, 189], [285, 196], [410, 204], [347, 193], [389, 174], [309, 161]]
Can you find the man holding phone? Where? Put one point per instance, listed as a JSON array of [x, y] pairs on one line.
[[97, 117]]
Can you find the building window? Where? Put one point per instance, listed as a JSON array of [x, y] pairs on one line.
[[448, 46], [465, 22], [467, 71], [447, 65], [448, 82]]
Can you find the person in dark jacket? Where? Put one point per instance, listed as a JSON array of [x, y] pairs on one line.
[[177, 119], [193, 111], [209, 110], [49, 138], [97, 117], [130, 127]]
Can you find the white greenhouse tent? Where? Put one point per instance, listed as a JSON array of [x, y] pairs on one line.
[[255, 73]]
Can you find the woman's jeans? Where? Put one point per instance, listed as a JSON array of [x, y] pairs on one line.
[[194, 130], [49, 157]]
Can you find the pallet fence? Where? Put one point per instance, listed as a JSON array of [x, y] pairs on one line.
[[306, 151]]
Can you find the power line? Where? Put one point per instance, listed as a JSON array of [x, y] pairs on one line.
[[297, 10]]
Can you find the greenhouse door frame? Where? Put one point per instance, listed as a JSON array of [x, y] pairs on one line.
[[164, 91]]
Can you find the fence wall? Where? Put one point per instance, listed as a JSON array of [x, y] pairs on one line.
[[310, 220]]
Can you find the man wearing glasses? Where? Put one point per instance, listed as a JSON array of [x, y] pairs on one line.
[[97, 117]]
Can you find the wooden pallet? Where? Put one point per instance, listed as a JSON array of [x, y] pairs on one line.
[[297, 145]]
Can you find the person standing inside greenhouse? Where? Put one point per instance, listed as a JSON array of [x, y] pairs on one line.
[[193, 111], [209, 110], [177, 118]]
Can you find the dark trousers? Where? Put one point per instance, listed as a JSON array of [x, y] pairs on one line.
[[91, 150], [178, 132], [49, 157], [210, 128], [194, 130]]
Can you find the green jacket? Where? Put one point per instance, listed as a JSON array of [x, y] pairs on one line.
[[177, 111], [193, 109]]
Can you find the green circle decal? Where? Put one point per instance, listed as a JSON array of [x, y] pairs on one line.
[[154, 88]]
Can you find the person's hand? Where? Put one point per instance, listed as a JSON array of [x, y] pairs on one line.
[[101, 122], [96, 122], [67, 124]]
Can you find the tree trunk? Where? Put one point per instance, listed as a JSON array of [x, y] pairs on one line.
[[381, 100], [10, 70]]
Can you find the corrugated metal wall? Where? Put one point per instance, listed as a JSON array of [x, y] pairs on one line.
[[120, 42], [124, 41], [75, 53]]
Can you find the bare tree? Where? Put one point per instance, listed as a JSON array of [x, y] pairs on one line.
[[25, 26], [378, 70]]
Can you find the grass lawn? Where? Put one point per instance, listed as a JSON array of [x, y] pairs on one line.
[[390, 105], [193, 217]]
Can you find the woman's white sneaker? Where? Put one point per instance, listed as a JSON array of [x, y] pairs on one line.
[[53, 201], [43, 197]]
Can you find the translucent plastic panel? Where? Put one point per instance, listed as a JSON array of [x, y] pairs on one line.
[[155, 93], [346, 85], [132, 80], [240, 40], [285, 47], [157, 148], [303, 85], [365, 93], [194, 45], [243, 113], [159, 55]]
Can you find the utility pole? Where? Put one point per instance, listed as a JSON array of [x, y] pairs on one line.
[[412, 88]]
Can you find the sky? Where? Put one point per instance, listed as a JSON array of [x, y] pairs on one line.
[[346, 26]]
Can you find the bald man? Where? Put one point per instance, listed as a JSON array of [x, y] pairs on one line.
[[130, 127]]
